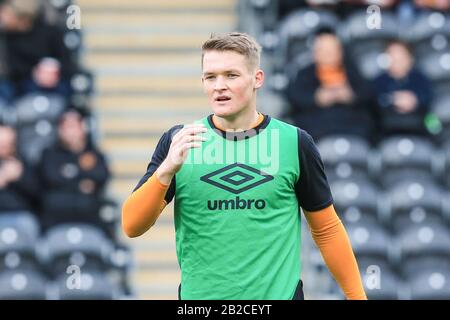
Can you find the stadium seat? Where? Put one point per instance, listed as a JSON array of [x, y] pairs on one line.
[[344, 156], [415, 202], [90, 285], [364, 44], [441, 107], [35, 106], [296, 29], [380, 281], [446, 147], [430, 30], [373, 52], [19, 232], [402, 155], [355, 200], [430, 284], [423, 243], [354, 30], [22, 285], [436, 65], [76, 244], [34, 138], [370, 240]]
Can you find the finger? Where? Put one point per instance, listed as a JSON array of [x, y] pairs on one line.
[[190, 145], [192, 138], [189, 131]]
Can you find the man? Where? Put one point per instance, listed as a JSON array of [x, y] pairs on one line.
[[36, 57], [238, 178], [403, 93], [329, 96], [18, 183], [73, 174]]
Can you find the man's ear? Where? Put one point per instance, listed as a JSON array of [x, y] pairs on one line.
[[259, 78]]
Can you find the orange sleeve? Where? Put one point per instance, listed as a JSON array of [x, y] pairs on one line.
[[330, 236], [143, 207]]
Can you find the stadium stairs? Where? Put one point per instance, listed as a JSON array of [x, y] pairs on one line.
[[146, 59]]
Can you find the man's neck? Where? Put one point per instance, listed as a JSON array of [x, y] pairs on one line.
[[239, 122]]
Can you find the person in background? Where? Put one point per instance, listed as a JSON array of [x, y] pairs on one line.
[[329, 96], [18, 182], [403, 93], [73, 174], [29, 42]]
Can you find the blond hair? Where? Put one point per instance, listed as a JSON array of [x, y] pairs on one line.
[[241, 43]]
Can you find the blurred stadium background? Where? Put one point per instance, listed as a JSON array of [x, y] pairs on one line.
[[133, 70]]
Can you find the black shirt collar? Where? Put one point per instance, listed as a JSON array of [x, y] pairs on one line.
[[240, 135]]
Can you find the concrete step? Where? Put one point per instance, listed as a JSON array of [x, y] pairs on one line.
[[132, 103], [132, 41], [157, 277], [155, 4], [102, 62], [132, 124], [131, 84], [151, 21]]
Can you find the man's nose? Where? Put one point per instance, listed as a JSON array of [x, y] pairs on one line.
[[219, 84]]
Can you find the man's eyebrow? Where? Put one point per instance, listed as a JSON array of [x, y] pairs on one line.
[[225, 71]]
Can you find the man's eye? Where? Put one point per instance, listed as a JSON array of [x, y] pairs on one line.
[[210, 77], [232, 76]]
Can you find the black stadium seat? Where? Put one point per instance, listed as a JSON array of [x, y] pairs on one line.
[[415, 202], [19, 232], [82, 245], [430, 30], [430, 284], [90, 285], [22, 285], [35, 106], [296, 29], [436, 65], [441, 108], [370, 240], [380, 282], [422, 245], [355, 199], [402, 155], [344, 156]]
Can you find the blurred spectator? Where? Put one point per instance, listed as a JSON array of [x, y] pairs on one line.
[[73, 174], [330, 96], [440, 5], [46, 78], [403, 93], [18, 183], [29, 40]]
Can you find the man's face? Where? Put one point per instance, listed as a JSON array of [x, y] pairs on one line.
[[7, 142], [11, 22], [71, 128], [327, 50], [400, 60], [230, 82]]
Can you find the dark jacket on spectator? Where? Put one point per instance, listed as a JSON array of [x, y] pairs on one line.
[[355, 118], [391, 121], [24, 50], [62, 174], [20, 195]]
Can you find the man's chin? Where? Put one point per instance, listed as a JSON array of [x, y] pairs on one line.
[[222, 112]]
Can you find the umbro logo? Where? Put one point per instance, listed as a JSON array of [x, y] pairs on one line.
[[237, 178]]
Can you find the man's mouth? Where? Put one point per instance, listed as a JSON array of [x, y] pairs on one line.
[[222, 98]]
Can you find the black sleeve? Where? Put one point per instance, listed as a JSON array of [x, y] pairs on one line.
[[161, 151], [312, 189]]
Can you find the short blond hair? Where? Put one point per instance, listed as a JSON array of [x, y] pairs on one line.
[[241, 43]]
